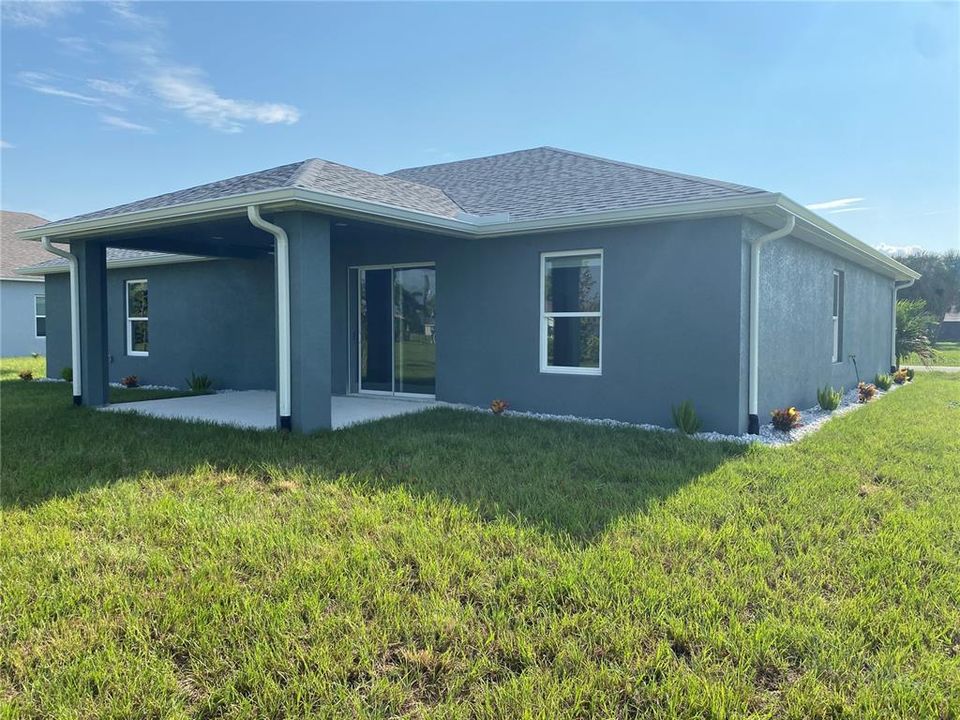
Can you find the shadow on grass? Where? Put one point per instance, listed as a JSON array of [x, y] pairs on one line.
[[564, 478]]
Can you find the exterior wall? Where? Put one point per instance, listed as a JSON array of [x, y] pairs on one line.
[[18, 333], [796, 328], [671, 319], [212, 317]]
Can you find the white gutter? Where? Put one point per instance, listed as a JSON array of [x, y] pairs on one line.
[[753, 425], [469, 225], [74, 314], [282, 248], [897, 286]]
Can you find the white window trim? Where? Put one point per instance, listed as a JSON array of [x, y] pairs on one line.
[[37, 316], [126, 311], [545, 316], [836, 309]]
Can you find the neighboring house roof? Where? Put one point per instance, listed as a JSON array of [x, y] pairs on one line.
[[519, 192], [116, 258], [548, 182], [14, 252], [952, 315]]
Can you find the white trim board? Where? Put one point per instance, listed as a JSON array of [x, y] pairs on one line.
[[758, 206]]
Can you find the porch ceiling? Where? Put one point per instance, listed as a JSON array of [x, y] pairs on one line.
[[222, 237]]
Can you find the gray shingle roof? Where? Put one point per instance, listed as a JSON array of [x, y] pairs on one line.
[[536, 183], [14, 252], [548, 182], [313, 174]]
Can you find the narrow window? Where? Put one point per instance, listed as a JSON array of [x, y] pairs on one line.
[[40, 315], [138, 342], [571, 285], [837, 316]]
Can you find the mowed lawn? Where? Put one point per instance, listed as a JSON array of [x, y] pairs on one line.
[[453, 564], [948, 354]]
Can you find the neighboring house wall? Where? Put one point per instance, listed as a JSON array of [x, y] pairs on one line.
[[213, 317], [670, 319], [796, 327], [18, 334]]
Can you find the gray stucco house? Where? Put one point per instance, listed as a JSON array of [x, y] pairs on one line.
[[561, 282], [22, 302]]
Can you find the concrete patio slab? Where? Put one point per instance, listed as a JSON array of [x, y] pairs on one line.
[[255, 409]]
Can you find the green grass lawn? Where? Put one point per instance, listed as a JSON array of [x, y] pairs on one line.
[[454, 564], [948, 354]]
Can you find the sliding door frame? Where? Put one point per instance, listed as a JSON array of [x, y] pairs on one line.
[[392, 267]]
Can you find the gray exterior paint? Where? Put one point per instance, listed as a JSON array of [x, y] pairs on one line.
[[796, 330], [18, 332], [674, 319], [211, 317]]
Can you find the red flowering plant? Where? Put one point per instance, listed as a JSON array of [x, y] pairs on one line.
[[785, 419], [498, 406], [130, 381]]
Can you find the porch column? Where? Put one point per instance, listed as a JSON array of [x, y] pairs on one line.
[[310, 345], [92, 277]]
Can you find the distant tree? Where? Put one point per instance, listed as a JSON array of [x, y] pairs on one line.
[[939, 287], [915, 327]]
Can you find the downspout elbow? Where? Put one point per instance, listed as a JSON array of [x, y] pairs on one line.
[[76, 368]]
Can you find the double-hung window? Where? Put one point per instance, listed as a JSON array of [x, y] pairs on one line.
[[138, 314], [40, 315], [837, 316], [571, 311]]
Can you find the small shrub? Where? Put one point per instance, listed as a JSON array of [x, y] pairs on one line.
[[785, 419], [883, 381], [829, 398], [130, 381], [498, 406], [910, 373], [67, 374], [200, 383], [34, 355], [25, 375], [685, 418], [866, 392], [900, 376]]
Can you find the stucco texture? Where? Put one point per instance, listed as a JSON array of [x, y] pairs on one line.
[[18, 334]]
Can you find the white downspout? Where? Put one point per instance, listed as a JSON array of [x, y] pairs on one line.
[[753, 424], [74, 314], [283, 309], [897, 286]]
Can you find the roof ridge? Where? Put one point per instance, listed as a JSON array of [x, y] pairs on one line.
[[471, 159], [312, 164], [657, 171]]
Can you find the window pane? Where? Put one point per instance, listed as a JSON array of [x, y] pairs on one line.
[[137, 300], [836, 294], [41, 327], [415, 324], [139, 341], [572, 283], [573, 342], [41, 303]]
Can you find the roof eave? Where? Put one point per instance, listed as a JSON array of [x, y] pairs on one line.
[[281, 198]]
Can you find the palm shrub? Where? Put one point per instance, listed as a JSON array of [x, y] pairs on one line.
[[685, 418], [200, 383], [915, 326], [883, 381], [828, 398]]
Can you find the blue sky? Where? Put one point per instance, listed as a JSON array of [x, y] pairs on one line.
[[850, 104]]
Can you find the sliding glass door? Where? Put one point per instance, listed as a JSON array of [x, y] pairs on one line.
[[397, 308]]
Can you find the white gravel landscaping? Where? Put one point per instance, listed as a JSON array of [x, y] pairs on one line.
[[812, 419]]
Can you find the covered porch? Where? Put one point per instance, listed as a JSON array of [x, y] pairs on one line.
[[256, 409], [286, 321]]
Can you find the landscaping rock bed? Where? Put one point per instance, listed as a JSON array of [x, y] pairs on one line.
[[813, 419]]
